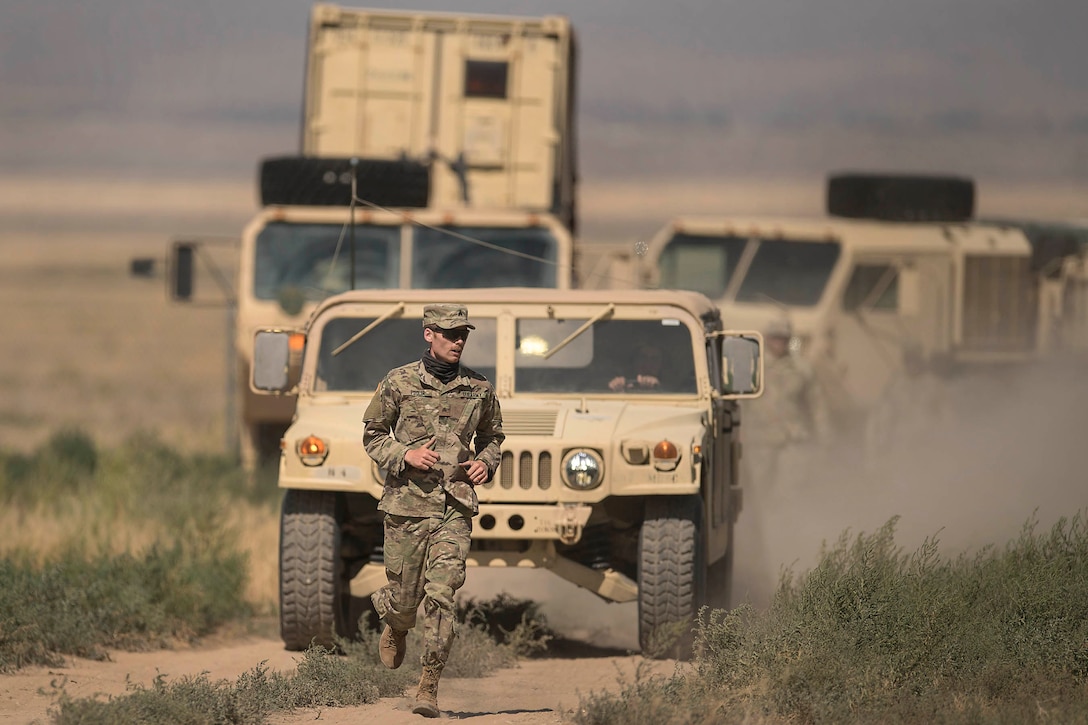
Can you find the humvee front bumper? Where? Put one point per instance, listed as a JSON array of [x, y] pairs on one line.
[[608, 584], [563, 522]]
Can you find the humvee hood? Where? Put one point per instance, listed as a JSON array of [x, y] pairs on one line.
[[333, 421], [597, 420]]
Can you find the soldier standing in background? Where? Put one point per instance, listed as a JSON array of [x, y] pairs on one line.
[[419, 428], [791, 410]]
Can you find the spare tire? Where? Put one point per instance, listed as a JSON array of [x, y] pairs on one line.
[[326, 181], [901, 197]]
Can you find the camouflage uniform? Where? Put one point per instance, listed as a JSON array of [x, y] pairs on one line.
[[429, 513], [791, 411]]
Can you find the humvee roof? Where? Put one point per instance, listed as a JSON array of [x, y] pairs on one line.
[[693, 302]]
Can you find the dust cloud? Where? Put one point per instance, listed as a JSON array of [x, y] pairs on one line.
[[1005, 447]]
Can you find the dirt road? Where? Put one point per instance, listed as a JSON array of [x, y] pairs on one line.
[[537, 691]]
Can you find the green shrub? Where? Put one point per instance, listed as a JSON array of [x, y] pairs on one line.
[[189, 701], [516, 623], [75, 606], [64, 465], [355, 676], [143, 476], [875, 635]]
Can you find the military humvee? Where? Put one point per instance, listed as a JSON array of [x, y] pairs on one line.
[[628, 492]]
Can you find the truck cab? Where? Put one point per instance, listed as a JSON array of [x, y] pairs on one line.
[[293, 257], [898, 277], [436, 150], [858, 292]]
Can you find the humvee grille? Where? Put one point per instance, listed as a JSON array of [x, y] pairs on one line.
[[525, 469], [506, 472], [545, 470], [524, 478], [999, 312], [529, 422]]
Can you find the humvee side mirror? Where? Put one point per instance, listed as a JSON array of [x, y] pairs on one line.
[[742, 365], [277, 357], [181, 271]]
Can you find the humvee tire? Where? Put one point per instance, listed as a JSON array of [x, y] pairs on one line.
[[901, 197], [326, 181], [311, 588], [671, 574]]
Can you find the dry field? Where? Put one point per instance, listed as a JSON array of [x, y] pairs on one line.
[[91, 346]]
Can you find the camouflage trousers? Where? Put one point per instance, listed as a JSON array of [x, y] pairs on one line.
[[425, 564]]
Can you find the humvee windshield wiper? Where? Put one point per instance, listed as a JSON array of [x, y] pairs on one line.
[[585, 326], [396, 310]]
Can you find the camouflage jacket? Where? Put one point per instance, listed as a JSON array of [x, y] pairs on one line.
[[792, 408], [409, 407]]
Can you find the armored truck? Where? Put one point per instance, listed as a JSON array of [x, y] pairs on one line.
[[627, 488], [427, 139], [898, 267]]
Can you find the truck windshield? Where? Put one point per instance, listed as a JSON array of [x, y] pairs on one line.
[[613, 356], [360, 367], [701, 263], [444, 260], [304, 258], [789, 271]]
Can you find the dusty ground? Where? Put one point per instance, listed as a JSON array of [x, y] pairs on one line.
[[537, 692]]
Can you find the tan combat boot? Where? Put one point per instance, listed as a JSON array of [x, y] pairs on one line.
[[427, 697], [391, 647]]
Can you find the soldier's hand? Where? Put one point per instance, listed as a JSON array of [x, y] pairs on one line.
[[423, 457], [617, 383], [648, 381], [476, 471]]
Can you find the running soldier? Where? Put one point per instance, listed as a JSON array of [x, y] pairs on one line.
[[419, 428]]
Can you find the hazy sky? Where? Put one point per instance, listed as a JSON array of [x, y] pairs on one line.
[[689, 86]]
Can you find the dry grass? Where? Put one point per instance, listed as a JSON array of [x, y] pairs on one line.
[[86, 527], [90, 346]]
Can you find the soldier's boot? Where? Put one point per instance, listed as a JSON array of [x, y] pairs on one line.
[[427, 696], [391, 647]]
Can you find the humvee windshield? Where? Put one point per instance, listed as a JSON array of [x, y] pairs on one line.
[[313, 258], [788, 271], [362, 365], [609, 350], [590, 363]]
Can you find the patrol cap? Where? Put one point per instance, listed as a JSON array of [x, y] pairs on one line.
[[778, 327], [446, 317]]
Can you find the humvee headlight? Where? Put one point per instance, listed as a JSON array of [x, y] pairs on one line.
[[666, 456], [312, 451], [583, 469]]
